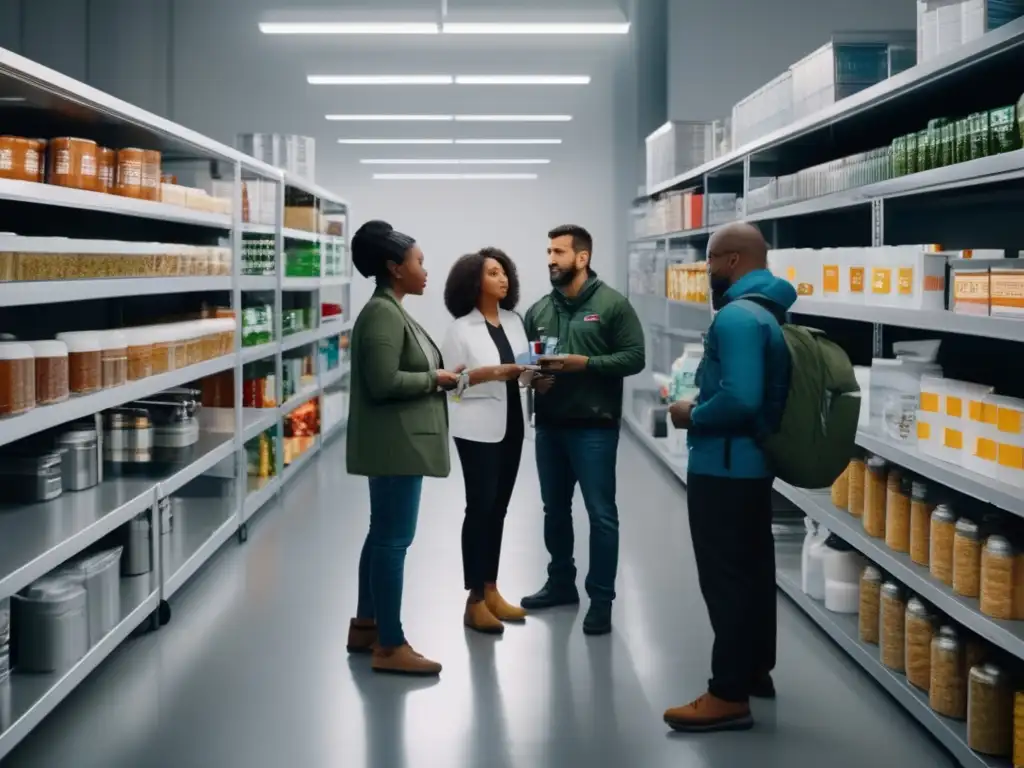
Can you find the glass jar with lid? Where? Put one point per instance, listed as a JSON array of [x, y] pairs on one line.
[[84, 354], [140, 352], [209, 335], [947, 693], [990, 711], [892, 626], [967, 558], [997, 578], [943, 532], [163, 348], [192, 335], [841, 490], [870, 604], [897, 511], [874, 497], [920, 522], [920, 629], [51, 371], [17, 378], [855, 482], [178, 333], [113, 359]]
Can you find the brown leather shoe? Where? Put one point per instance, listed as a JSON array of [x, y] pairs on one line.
[[362, 635], [403, 660], [479, 617], [499, 607], [710, 713]]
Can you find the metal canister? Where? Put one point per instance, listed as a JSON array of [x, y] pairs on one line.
[[79, 457], [137, 558]]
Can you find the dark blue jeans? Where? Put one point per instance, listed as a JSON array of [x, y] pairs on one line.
[[566, 456], [394, 508]]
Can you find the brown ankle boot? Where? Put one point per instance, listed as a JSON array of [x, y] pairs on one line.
[[502, 610], [403, 660], [710, 713], [479, 617], [362, 635]]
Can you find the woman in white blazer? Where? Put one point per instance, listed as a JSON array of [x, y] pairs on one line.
[[486, 419]]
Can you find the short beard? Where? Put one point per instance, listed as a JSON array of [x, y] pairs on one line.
[[562, 279]]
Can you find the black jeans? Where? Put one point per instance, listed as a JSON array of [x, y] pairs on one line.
[[490, 471], [731, 526]]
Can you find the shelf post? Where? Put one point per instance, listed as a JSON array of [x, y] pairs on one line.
[[241, 465], [877, 240], [278, 325]]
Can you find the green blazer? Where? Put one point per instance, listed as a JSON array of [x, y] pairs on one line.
[[397, 418]]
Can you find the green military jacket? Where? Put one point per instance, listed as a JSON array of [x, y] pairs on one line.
[[397, 418]]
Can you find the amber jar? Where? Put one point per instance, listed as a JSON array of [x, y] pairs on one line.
[[163, 348], [51, 365], [920, 629], [113, 359], [990, 711], [892, 626], [870, 604], [997, 578], [151, 174], [874, 497], [920, 522], [41, 145], [140, 352], [897, 512], [855, 485], [130, 164], [1018, 729], [84, 355], [947, 693], [107, 161], [967, 558], [841, 490], [73, 163], [940, 556], [17, 378], [18, 159], [209, 331]]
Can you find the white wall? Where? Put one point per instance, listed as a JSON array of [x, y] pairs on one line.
[[722, 50]]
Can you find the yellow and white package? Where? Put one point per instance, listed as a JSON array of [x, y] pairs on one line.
[[1009, 432], [981, 444], [958, 428]]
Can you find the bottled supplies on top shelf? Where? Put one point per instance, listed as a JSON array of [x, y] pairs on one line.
[[684, 211], [840, 175], [687, 282], [944, 25]]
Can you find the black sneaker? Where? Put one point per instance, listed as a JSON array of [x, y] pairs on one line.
[[598, 620], [763, 688], [551, 597]]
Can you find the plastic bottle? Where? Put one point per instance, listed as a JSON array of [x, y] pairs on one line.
[[816, 565]]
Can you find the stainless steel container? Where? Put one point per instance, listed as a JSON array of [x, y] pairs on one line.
[[101, 578], [137, 558], [127, 440], [174, 443], [51, 630], [80, 458], [30, 479]]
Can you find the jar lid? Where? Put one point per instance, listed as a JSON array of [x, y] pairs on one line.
[[73, 139], [943, 514], [15, 350], [876, 462], [999, 545], [948, 630], [81, 341], [53, 589], [987, 674], [77, 436], [968, 528], [947, 641], [50, 348], [871, 573], [919, 489], [112, 340], [893, 590], [917, 607], [141, 336]]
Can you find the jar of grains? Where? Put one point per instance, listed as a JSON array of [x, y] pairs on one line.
[[855, 486], [947, 693], [920, 522], [84, 353], [997, 578], [17, 378], [940, 556], [113, 359], [892, 627], [920, 629], [841, 490], [990, 711], [967, 558], [897, 512], [874, 497], [870, 604], [51, 371]]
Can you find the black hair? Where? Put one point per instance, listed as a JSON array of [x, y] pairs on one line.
[[462, 289], [581, 239], [374, 245]]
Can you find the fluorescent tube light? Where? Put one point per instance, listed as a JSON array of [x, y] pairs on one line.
[[455, 161], [507, 142], [522, 79], [391, 118], [348, 28], [539, 28], [396, 142], [513, 118], [380, 79], [455, 176]]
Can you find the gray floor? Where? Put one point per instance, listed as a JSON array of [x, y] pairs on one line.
[[252, 671]]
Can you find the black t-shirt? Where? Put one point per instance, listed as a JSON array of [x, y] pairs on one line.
[[507, 357]]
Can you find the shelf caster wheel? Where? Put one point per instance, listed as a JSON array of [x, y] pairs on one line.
[[164, 613], [243, 533]]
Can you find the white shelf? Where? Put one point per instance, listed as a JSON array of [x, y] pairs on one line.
[[335, 429], [200, 527], [334, 375], [843, 630], [256, 421], [259, 352], [298, 463], [259, 491], [302, 338], [292, 180], [32, 697], [334, 281], [47, 416], [299, 398], [300, 234], [258, 282], [249, 228], [24, 293]]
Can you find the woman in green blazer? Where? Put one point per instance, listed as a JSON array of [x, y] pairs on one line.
[[397, 435]]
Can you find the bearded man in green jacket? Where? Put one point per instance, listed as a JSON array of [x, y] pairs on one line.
[[596, 340]]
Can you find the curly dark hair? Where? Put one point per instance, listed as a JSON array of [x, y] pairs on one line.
[[462, 289]]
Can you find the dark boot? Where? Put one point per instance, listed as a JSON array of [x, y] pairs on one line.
[[598, 620], [763, 688], [362, 636], [551, 596]]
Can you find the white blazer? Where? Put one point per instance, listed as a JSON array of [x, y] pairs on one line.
[[480, 413]]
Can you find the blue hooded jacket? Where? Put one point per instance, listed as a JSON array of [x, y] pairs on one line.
[[742, 380]]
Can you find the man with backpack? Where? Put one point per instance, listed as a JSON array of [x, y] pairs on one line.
[[772, 403]]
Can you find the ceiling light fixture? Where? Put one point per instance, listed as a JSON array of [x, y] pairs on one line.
[[455, 161], [455, 176], [349, 28], [522, 79], [380, 79], [507, 142], [391, 118], [396, 142], [534, 28], [513, 118]]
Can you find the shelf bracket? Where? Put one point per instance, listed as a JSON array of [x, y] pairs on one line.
[[877, 223]]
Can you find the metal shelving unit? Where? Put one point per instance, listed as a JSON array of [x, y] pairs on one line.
[[972, 204], [210, 494]]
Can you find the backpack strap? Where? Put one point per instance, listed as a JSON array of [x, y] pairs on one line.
[[768, 305]]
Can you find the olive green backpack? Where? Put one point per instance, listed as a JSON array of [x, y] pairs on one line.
[[817, 434]]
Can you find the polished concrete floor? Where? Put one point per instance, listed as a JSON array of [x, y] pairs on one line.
[[252, 671]]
